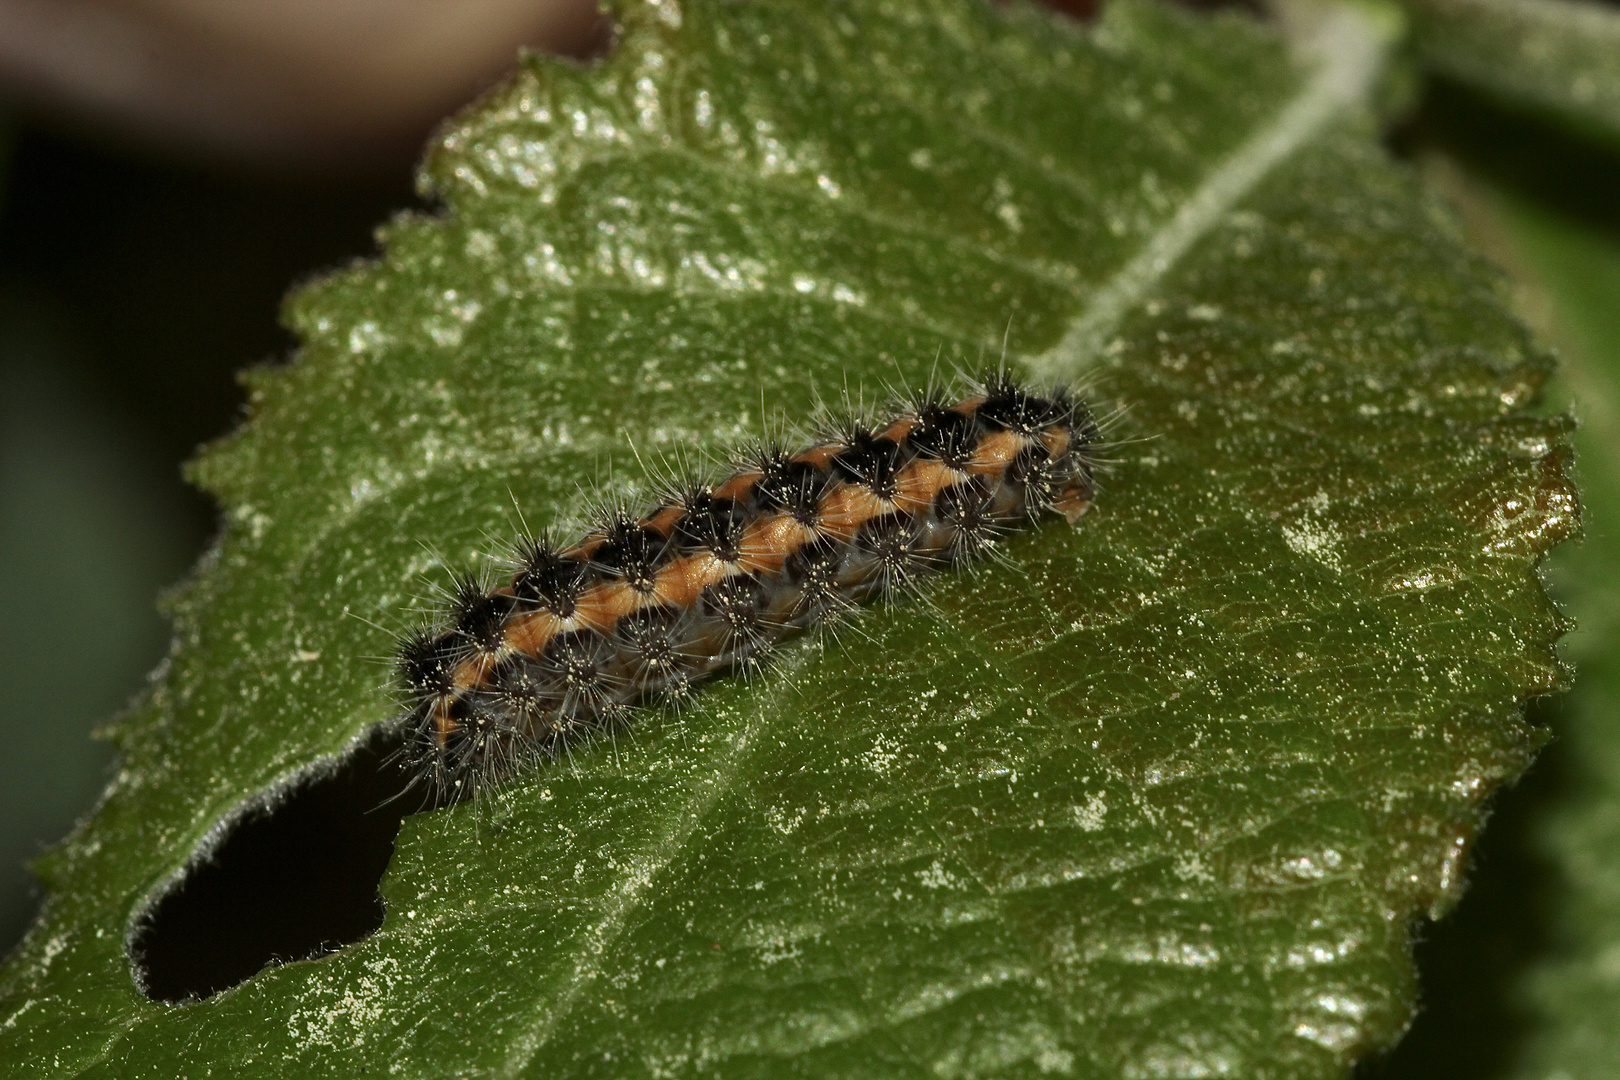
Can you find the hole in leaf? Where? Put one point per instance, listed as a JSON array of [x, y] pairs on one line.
[[294, 880]]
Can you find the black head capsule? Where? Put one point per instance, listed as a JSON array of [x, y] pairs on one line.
[[789, 487], [480, 746], [479, 617], [464, 734], [711, 524], [423, 746], [631, 551], [870, 460]]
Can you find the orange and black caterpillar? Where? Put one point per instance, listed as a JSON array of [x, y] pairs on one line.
[[717, 574]]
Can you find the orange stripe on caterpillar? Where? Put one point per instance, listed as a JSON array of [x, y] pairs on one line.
[[716, 577]]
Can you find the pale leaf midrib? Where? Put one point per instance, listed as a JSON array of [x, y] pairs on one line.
[[1351, 56]]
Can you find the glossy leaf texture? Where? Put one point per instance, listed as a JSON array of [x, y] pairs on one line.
[[1161, 796]]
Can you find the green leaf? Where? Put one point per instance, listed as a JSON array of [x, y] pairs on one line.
[[1559, 57], [1161, 798]]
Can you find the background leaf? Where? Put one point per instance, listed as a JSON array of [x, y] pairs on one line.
[[1559, 907], [1558, 57], [1161, 801], [1572, 995]]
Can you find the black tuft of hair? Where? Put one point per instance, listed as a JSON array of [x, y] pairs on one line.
[[630, 550], [711, 524], [891, 541], [579, 665], [1009, 406], [546, 578], [1040, 477], [479, 616], [653, 639], [870, 460], [813, 571], [792, 487], [739, 601], [427, 664], [944, 434], [965, 510]]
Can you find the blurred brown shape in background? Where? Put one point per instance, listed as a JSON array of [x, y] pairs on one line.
[[311, 85]]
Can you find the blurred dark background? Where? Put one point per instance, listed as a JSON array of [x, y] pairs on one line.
[[167, 174], [131, 290], [168, 170]]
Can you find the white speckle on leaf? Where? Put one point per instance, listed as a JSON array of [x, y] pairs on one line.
[[367, 337], [445, 335], [51, 950], [782, 821], [778, 950], [1335, 1037], [1090, 816], [937, 877], [1313, 537], [11, 1021], [883, 756]]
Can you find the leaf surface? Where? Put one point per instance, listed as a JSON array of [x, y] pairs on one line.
[[1159, 798]]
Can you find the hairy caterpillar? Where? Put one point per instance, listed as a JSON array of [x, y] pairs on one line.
[[717, 574]]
